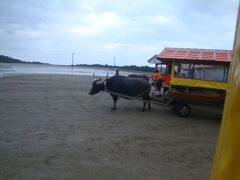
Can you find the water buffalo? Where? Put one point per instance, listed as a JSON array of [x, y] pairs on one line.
[[143, 76], [123, 86]]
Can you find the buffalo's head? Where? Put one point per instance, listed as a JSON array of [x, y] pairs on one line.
[[97, 86]]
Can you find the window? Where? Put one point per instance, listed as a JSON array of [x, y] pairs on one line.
[[201, 71]]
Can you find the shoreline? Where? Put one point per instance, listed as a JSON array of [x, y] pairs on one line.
[[18, 68]]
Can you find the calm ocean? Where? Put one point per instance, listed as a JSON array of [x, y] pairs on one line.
[[16, 69]]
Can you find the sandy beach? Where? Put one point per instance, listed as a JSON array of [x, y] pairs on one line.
[[50, 128]]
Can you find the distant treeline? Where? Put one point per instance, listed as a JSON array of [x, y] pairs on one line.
[[132, 67], [7, 59]]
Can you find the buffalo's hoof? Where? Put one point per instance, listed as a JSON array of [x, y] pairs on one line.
[[142, 110], [149, 107], [113, 109]]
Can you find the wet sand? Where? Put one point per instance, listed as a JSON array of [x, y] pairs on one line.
[[50, 128]]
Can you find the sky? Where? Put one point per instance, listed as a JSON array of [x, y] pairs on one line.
[[96, 31]]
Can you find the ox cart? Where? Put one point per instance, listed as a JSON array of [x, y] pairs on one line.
[[191, 76]]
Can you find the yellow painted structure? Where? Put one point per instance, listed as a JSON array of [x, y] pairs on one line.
[[226, 165], [196, 83], [199, 83]]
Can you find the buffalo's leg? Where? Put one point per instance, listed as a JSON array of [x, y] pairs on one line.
[[115, 98], [146, 99], [144, 105], [149, 105]]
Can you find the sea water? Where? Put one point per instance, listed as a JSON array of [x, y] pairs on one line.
[[7, 69]]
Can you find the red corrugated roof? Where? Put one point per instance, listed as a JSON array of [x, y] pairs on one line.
[[196, 54]]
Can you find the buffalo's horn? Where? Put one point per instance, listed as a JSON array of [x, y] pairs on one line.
[[106, 76]]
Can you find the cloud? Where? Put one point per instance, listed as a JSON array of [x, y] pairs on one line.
[[162, 19], [96, 24], [105, 19], [83, 30], [170, 23], [109, 45], [130, 30]]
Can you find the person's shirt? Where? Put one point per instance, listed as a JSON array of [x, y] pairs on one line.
[[156, 76]]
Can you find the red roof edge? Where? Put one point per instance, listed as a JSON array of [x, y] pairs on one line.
[[196, 54]]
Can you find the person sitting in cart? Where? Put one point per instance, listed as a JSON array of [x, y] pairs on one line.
[[157, 79]]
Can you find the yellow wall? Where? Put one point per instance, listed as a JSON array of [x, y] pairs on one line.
[[198, 83], [226, 165]]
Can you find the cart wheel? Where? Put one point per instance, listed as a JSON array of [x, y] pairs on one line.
[[184, 110]]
